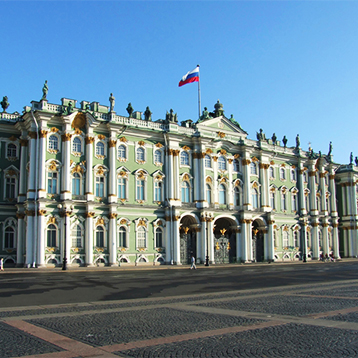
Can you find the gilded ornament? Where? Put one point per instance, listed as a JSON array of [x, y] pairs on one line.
[[230, 161], [186, 177], [78, 131], [217, 247], [141, 143], [89, 140], [13, 138], [89, 214], [51, 220], [123, 140], [33, 135], [24, 142], [112, 215], [209, 151], [159, 145], [79, 121], [101, 137], [222, 152], [66, 137], [100, 221], [11, 172], [100, 171], [112, 143], [223, 231], [208, 180], [54, 129], [142, 222], [41, 212], [221, 134], [53, 166], [186, 148]]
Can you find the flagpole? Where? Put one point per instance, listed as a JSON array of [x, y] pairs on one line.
[[199, 99]]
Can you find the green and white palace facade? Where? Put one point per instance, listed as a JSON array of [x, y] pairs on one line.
[[82, 182]]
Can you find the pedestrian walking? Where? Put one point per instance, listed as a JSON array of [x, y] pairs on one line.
[[192, 263], [2, 264]]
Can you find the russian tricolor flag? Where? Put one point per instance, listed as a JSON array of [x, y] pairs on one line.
[[192, 76]]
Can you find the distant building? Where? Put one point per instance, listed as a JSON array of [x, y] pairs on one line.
[[126, 190]]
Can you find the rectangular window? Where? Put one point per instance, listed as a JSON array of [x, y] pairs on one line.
[[52, 183], [10, 188], [140, 189], [158, 191], [100, 187], [121, 188]]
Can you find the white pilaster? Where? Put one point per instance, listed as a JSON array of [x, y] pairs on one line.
[[89, 239], [89, 165], [112, 197]]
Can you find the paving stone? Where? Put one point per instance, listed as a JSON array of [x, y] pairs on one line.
[[349, 317], [16, 343], [285, 305], [289, 340], [123, 327], [340, 291]]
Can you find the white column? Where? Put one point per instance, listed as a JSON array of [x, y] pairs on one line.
[[29, 237], [41, 165], [168, 237], [176, 239], [314, 238], [196, 168], [20, 239], [66, 155], [32, 172], [112, 197], [89, 239], [332, 189], [302, 203], [41, 238], [215, 182], [202, 182], [211, 239], [238, 244], [270, 241], [204, 239], [325, 242], [246, 178], [312, 187], [335, 238], [230, 186], [322, 185], [176, 175], [170, 176], [89, 165], [67, 231], [112, 239], [23, 171]]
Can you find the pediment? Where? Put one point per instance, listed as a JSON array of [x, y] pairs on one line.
[[221, 124]]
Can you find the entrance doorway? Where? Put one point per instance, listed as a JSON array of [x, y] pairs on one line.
[[188, 228], [225, 240], [258, 241]]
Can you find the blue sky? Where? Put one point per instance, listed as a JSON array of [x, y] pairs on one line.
[[289, 67]]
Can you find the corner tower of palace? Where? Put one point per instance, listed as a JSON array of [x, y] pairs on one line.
[[85, 184]]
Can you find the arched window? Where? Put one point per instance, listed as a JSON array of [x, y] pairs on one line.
[[236, 163], [100, 236], [285, 238], [100, 148], [9, 238], [237, 196], [51, 236], [208, 193], [140, 157], [222, 194], [100, 186], [77, 236], [122, 152], [76, 184], [271, 172], [207, 161], [283, 201], [294, 202], [296, 241], [158, 237], [52, 182], [10, 188], [293, 175], [222, 163], [273, 200], [255, 198], [253, 168], [282, 173], [158, 191], [318, 202], [11, 150], [76, 145], [184, 158], [158, 156], [185, 192], [122, 190], [53, 142], [122, 237], [141, 237]]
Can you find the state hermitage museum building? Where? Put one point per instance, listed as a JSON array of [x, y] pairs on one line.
[[84, 183]]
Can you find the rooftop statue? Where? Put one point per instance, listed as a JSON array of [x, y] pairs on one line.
[[112, 101], [147, 114], [171, 117], [44, 90], [219, 111], [298, 141], [5, 103], [284, 141], [130, 109], [274, 138], [260, 135], [330, 149], [311, 154], [232, 120], [205, 114], [351, 158], [356, 161], [70, 107]]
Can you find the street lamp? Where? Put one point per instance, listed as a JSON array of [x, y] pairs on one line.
[[207, 220], [65, 213]]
